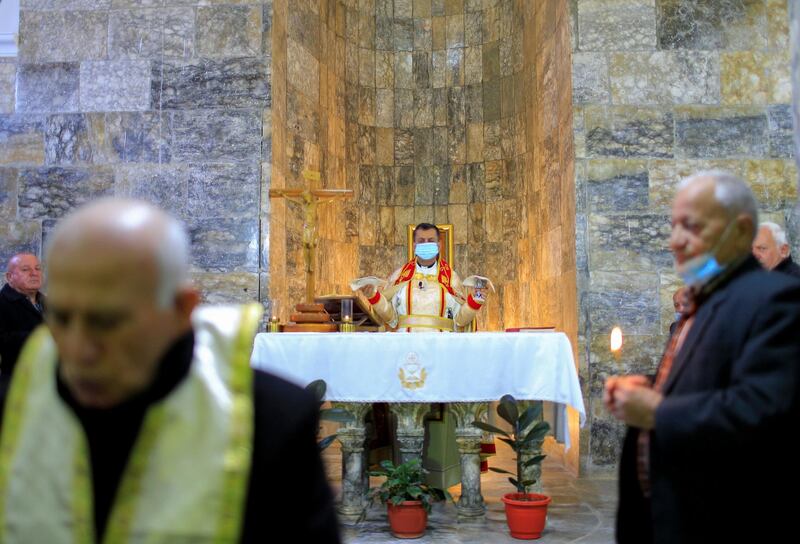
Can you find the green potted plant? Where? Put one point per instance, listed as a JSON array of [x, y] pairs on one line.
[[407, 497], [318, 388], [526, 512]]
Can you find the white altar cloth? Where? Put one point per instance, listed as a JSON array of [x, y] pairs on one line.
[[428, 367]]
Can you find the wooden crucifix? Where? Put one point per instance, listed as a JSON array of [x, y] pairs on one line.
[[309, 199]]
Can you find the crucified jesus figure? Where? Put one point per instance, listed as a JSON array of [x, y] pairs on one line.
[[309, 199]]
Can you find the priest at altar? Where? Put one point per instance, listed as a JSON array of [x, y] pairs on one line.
[[427, 295]]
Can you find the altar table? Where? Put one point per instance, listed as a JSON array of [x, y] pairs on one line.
[[410, 371]]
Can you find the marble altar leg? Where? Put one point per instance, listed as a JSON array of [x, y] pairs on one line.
[[355, 482], [468, 438], [410, 428]]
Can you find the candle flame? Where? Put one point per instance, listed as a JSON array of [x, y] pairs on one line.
[[616, 339]]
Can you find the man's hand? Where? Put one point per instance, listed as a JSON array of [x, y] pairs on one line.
[[621, 381], [368, 290], [633, 401], [480, 295]]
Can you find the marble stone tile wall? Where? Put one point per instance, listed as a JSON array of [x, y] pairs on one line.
[[165, 101], [546, 284], [434, 103], [794, 32], [662, 88]]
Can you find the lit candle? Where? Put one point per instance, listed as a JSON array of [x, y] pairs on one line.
[[616, 342], [274, 324]]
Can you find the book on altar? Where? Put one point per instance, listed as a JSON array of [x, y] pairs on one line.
[[531, 329]]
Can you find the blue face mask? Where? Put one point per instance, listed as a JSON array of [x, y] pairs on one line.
[[426, 250], [678, 316], [698, 270]]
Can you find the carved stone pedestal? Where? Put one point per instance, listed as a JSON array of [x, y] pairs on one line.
[[410, 429], [468, 437], [355, 482], [410, 436]]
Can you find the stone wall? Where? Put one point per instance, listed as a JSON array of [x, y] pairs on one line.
[[662, 88], [794, 33], [430, 110], [164, 101], [547, 280]]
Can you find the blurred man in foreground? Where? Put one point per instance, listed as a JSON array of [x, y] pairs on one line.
[[709, 431], [135, 416]]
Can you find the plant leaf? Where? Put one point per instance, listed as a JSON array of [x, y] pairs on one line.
[[528, 417], [500, 470], [335, 414], [317, 388], [489, 428], [538, 432], [535, 460], [510, 442], [325, 442], [507, 409], [535, 409]]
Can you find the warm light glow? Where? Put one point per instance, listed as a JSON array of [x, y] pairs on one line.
[[616, 339]]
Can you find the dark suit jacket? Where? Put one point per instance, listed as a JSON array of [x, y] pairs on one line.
[[18, 317], [788, 266], [721, 451]]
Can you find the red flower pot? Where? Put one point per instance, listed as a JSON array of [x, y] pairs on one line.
[[526, 518], [408, 519]]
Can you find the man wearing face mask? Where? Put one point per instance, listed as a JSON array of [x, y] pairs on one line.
[[680, 302], [709, 430], [425, 294]]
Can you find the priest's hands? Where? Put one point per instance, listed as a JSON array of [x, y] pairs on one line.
[[368, 291], [632, 399]]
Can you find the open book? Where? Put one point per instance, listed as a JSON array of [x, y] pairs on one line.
[[358, 283], [478, 282]]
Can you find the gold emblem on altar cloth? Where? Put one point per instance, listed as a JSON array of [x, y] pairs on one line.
[[412, 374]]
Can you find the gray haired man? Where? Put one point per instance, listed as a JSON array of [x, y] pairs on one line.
[[134, 414], [725, 392], [772, 250]]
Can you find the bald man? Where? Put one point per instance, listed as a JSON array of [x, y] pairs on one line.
[[135, 416], [21, 305], [772, 250], [709, 432]]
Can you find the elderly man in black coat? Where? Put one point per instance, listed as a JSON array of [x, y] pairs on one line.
[[21, 306], [771, 248], [709, 453]]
